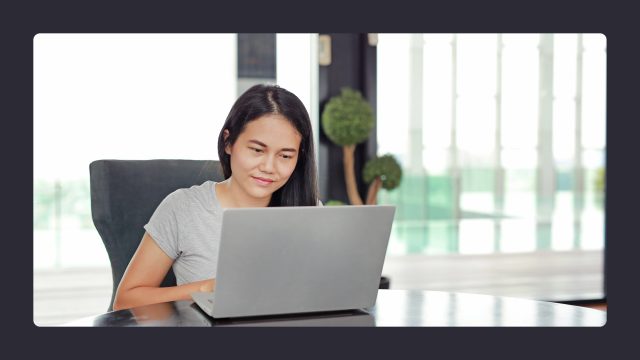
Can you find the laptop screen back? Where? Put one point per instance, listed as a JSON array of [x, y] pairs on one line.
[[300, 259]]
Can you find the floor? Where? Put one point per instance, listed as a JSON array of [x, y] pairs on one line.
[[549, 276], [65, 295]]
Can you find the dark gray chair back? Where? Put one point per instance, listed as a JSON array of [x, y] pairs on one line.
[[124, 195]]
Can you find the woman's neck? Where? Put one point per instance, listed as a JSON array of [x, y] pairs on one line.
[[231, 195]]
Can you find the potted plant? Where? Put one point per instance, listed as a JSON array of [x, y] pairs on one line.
[[383, 171], [347, 120]]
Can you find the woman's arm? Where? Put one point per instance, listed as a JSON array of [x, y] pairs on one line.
[[140, 284]]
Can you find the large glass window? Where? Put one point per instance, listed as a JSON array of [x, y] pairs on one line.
[[117, 96], [512, 141]]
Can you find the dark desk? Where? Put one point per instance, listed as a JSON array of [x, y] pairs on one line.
[[393, 308]]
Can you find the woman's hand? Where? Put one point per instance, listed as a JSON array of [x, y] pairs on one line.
[[207, 285]]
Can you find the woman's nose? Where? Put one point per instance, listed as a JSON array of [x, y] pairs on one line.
[[267, 164]]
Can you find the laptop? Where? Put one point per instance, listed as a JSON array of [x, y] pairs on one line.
[[293, 260]]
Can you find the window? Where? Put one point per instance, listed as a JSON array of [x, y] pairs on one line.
[[497, 134]]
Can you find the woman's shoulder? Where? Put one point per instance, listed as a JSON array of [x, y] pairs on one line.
[[198, 189], [195, 194]]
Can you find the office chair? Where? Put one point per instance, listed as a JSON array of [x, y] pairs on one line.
[[124, 195]]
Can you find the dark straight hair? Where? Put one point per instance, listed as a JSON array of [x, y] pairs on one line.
[[302, 188]]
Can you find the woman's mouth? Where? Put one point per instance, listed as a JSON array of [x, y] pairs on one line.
[[262, 181]]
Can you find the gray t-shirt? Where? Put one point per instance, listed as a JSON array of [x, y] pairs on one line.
[[186, 226]]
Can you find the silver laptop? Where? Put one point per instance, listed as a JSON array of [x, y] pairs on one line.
[[289, 260]]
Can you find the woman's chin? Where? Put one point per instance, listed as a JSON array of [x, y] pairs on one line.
[[260, 193]]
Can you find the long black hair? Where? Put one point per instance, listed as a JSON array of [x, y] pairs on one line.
[[302, 188]]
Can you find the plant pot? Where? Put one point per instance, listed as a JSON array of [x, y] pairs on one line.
[[384, 283]]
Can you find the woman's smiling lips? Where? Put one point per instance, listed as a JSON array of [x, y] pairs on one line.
[[262, 181]]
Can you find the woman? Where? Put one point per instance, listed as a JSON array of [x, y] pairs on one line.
[[266, 151]]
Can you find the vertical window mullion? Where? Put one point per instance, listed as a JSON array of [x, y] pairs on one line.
[[498, 196], [546, 173], [499, 173], [578, 167], [455, 171]]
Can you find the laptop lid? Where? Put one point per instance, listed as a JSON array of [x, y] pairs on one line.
[[300, 259]]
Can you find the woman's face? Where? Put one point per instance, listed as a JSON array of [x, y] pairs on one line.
[[264, 155]]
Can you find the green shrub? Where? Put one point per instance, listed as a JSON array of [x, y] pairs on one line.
[[347, 118], [387, 168]]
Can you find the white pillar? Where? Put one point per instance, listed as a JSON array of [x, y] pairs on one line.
[[578, 187], [498, 195], [546, 170], [453, 153], [416, 49]]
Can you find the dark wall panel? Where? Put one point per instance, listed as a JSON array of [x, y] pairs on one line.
[[353, 64]]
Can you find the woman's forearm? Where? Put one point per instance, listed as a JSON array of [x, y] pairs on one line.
[[145, 295]]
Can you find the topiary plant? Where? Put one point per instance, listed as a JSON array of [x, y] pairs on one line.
[[383, 171], [347, 120]]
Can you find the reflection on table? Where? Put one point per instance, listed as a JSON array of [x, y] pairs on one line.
[[392, 308]]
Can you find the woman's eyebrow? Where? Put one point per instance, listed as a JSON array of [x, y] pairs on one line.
[[265, 145], [258, 142]]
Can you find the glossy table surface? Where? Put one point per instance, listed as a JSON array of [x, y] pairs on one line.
[[392, 308]]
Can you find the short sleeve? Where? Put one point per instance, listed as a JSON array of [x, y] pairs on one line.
[[163, 225]]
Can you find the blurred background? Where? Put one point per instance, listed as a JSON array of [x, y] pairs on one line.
[[501, 138]]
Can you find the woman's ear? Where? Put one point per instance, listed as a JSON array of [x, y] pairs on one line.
[[227, 148]]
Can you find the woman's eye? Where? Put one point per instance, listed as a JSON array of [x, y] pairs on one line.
[[285, 156], [255, 149]]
